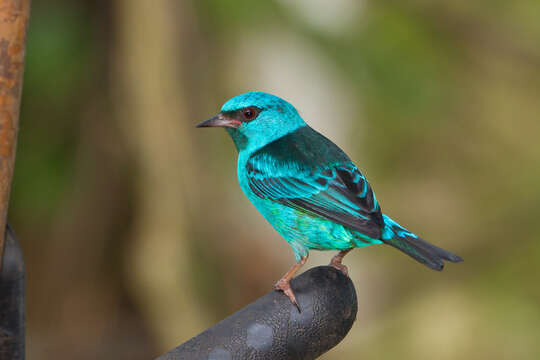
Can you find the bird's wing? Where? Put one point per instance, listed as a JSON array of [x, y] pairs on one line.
[[321, 181]]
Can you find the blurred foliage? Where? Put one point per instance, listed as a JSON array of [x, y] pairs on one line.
[[436, 101]]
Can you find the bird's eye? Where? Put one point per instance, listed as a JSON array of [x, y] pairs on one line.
[[250, 113]]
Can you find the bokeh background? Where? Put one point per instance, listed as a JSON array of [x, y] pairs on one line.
[[136, 233]]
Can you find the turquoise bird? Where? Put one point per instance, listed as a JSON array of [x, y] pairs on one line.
[[307, 188]]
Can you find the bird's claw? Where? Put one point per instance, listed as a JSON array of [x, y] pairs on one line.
[[339, 266], [285, 286], [336, 262]]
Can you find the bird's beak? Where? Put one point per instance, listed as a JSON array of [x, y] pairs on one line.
[[221, 120]]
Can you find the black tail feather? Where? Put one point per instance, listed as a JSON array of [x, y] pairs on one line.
[[430, 255]]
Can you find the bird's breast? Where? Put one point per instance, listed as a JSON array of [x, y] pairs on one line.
[[268, 208]]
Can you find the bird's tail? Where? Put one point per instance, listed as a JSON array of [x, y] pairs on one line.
[[417, 248]]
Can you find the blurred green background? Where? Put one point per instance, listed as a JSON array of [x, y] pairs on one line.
[[136, 233]]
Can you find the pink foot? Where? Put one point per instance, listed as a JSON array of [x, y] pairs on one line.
[[336, 263], [285, 286]]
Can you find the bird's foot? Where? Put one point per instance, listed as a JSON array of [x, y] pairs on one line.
[[285, 286], [336, 263]]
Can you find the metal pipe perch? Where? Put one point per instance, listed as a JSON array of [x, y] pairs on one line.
[[14, 16]]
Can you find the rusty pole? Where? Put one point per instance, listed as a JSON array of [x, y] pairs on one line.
[[14, 16]]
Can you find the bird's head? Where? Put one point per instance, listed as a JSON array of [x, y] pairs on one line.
[[255, 119]]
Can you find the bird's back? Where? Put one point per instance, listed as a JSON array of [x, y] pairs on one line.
[[309, 189]]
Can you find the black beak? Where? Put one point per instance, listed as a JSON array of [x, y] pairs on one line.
[[221, 120]]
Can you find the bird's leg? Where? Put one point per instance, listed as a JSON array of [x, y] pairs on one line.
[[284, 283], [336, 261]]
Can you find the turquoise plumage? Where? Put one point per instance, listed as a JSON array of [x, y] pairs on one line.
[[308, 188]]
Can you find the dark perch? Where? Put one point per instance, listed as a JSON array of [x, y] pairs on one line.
[[12, 300], [272, 328]]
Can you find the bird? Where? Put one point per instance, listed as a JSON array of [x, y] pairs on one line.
[[308, 189]]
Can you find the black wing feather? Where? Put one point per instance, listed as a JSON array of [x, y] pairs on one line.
[[306, 171]]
